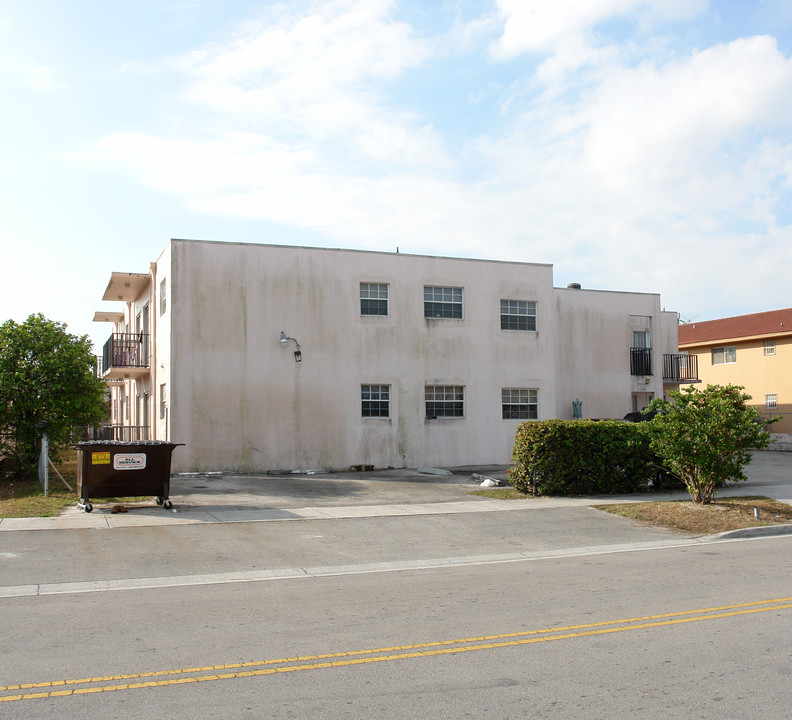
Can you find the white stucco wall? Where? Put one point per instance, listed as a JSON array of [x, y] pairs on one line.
[[240, 401], [162, 359], [595, 333]]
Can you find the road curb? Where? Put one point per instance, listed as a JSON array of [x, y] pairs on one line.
[[754, 532]]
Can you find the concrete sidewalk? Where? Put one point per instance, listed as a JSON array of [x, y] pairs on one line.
[[220, 498]]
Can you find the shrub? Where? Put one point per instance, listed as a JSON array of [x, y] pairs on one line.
[[705, 436], [582, 457]]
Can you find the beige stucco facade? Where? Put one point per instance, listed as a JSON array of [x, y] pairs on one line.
[[219, 379], [761, 363]]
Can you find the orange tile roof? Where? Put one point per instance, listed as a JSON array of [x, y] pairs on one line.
[[764, 323]]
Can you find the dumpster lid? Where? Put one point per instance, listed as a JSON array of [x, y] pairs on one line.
[[124, 443]]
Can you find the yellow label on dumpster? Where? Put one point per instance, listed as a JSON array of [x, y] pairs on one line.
[[100, 458]]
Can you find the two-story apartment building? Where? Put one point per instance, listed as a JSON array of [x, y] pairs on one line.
[[754, 351], [265, 357]]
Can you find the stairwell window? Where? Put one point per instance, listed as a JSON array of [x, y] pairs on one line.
[[518, 315], [162, 301], [724, 355], [444, 401], [442, 302]]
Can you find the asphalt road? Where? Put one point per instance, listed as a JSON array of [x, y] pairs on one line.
[[701, 631], [542, 612]]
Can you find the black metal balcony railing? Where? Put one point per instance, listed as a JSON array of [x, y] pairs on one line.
[[640, 361], [123, 433], [680, 367], [126, 350]]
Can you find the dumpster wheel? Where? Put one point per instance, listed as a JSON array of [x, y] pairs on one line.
[[167, 504], [158, 500], [88, 507]]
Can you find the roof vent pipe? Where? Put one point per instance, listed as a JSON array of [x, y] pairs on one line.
[[573, 286]]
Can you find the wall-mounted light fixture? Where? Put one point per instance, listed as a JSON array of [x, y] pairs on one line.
[[284, 341]]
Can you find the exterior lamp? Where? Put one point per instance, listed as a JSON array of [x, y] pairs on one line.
[[284, 341]]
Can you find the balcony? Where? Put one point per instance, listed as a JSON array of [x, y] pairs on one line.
[[126, 355], [122, 433], [680, 368], [640, 361]]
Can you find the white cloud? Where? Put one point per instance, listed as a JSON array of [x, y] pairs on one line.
[[29, 74], [536, 26], [540, 27], [297, 122]]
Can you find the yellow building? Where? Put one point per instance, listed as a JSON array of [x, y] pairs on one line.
[[754, 351]]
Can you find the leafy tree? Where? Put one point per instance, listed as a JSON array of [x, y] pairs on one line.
[[47, 384], [704, 437]]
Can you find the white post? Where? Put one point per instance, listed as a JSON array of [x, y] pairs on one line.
[[44, 464]]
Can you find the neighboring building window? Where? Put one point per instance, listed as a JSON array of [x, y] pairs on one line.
[[445, 401], [442, 302], [163, 304], [163, 400], [373, 299], [771, 401], [642, 339], [520, 403], [375, 400], [724, 355], [769, 347], [517, 315]]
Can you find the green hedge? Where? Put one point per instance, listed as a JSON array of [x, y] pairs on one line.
[[583, 457]]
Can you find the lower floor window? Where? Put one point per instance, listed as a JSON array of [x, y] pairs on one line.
[[520, 403], [445, 401], [771, 401], [375, 400]]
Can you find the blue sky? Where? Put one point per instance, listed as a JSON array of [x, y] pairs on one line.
[[634, 144]]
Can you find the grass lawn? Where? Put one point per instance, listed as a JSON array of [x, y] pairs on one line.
[[719, 516], [25, 498], [685, 516]]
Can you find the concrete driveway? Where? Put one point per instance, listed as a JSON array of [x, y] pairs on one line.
[[220, 498]]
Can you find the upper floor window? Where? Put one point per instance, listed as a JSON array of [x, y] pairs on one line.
[[724, 355], [375, 400], [769, 347], [373, 299], [442, 302], [520, 403], [771, 401], [162, 302], [642, 339], [445, 401], [517, 315]]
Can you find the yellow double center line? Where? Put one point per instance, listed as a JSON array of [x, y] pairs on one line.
[[161, 678]]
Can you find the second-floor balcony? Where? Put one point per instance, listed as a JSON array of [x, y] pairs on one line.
[[126, 355], [680, 368], [640, 361]]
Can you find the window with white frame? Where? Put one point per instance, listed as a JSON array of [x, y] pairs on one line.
[[444, 401], [518, 315], [724, 355], [162, 301], [373, 299], [771, 401], [442, 302], [375, 400], [163, 401], [769, 347], [520, 403]]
